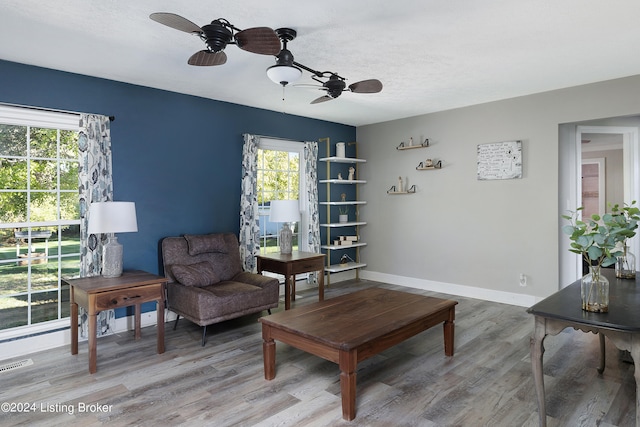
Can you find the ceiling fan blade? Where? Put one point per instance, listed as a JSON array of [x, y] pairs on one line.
[[260, 40], [366, 86], [206, 58], [175, 21], [322, 99]]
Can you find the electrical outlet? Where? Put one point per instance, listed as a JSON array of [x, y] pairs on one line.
[[523, 280]]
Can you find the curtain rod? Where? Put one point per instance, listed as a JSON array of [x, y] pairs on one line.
[[53, 110], [274, 137]]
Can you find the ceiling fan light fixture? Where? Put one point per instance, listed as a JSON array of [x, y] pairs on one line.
[[283, 74]]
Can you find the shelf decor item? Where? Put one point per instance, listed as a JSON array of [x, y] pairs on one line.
[[110, 218], [340, 151], [626, 265], [626, 262], [287, 212], [343, 209], [599, 241], [429, 164], [394, 190]]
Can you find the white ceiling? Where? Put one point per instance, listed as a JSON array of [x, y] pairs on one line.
[[431, 55]]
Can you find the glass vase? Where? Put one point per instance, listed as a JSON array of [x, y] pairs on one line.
[[626, 265], [594, 291]]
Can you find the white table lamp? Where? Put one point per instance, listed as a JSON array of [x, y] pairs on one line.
[[110, 218], [285, 211]]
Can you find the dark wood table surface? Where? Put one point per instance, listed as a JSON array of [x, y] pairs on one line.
[[353, 327], [563, 309]]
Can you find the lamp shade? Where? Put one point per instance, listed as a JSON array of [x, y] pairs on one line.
[[284, 211], [112, 217]]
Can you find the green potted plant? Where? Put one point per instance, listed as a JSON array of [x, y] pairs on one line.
[[628, 217], [599, 240]]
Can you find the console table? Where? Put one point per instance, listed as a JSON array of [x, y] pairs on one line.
[[99, 293], [291, 264], [563, 310]]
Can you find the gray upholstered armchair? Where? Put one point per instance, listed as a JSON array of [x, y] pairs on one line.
[[206, 281]]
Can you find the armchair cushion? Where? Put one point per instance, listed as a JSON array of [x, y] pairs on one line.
[[198, 274], [206, 243]]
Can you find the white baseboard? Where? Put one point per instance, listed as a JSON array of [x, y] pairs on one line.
[[23, 341], [453, 289]]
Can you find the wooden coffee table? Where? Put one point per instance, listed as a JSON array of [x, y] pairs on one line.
[[353, 327]]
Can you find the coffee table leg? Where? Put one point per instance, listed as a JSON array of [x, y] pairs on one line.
[[321, 284], [449, 333], [268, 353], [348, 365]]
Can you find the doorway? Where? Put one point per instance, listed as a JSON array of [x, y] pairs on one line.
[[617, 147]]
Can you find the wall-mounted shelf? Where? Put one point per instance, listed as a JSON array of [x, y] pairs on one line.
[[342, 160], [393, 191], [336, 247], [402, 145], [336, 228], [343, 224], [342, 181], [337, 268], [436, 165], [348, 203]]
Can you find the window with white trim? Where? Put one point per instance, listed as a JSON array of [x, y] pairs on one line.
[[280, 177], [39, 215]]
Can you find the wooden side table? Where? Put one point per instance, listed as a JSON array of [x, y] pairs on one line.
[[291, 264], [99, 293]]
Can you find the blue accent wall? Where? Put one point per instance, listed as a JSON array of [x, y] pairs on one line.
[[178, 157]]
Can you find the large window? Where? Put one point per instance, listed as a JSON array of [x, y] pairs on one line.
[[39, 215], [280, 177]]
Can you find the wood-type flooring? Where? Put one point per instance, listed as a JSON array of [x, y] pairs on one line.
[[488, 382]]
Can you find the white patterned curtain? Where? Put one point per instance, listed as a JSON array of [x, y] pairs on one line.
[[311, 180], [249, 228], [95, 183]]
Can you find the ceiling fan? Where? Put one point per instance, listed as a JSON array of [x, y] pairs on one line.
[[264, 41], [287, 70], [336, 85], [220, 33]]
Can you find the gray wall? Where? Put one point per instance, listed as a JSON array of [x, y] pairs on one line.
[[461, 233]]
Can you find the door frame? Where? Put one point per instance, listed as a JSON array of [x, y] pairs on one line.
[[631, 171]]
